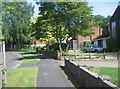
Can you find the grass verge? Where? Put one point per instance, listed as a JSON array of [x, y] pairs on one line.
[[111, 72], [29, 58], [22, 77]]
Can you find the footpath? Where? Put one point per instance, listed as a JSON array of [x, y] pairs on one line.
[[51, 75]]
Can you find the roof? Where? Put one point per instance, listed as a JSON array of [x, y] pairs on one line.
[[101, 37], [115, 13]]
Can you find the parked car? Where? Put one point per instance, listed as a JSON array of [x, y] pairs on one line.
[[93, 49]]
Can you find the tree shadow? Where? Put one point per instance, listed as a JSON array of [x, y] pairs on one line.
[[36, 54], [70, 77]]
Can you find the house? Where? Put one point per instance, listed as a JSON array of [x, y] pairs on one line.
[[111, 32], [39, 43], [77, 42]]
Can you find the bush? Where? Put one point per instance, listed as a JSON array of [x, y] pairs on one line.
[[55, 47], [113, 44], [39, 48], [87, 43], [27, 48]]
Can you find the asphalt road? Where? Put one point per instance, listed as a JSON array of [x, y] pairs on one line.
[[12, 59], [51, 75]]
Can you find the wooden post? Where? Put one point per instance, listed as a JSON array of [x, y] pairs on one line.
[[90, 56], [104, 55], [118, 55]]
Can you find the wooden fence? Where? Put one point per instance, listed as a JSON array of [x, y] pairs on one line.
[[96, 56]]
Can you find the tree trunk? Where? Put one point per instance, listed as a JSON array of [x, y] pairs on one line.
[[60, 49], [67, 45]]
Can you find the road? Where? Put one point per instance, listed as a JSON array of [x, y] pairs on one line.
[[12, 59]]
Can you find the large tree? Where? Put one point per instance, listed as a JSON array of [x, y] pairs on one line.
[[16, 18], [63, 20]]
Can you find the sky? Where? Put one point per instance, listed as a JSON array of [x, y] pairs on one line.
[[100, 7]]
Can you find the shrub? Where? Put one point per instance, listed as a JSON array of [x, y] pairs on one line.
[[113, 44], [27, 48], [55, 47], [39, 48], [87, 43]]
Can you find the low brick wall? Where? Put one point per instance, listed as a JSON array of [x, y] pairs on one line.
[[86, 78]]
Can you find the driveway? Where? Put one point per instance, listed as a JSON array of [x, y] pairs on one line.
[[12, 59]]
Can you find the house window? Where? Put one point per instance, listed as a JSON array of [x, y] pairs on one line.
[[113, 29], [108, 28]]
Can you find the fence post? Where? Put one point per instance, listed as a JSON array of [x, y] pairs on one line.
[[90, 56], [118, 54], [75, 54], [104, 55]]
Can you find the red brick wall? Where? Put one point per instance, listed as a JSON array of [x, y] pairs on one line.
[[81, 39]]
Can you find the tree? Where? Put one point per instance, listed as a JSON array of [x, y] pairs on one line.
[[63, 19], [16, 18]]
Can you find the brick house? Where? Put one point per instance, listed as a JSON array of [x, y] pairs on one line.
[[112, 29], [77, 42], [39, 43]]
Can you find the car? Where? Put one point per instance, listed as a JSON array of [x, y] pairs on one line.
[[93, 49]]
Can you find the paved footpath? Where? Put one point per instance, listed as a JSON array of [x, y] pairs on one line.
[[51, 75]]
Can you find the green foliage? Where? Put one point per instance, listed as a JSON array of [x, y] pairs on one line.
[[55, 47], [113, 44], [26, 48], [87, 43], [62, 20], [98, 20], [39, 48], [16, 19]]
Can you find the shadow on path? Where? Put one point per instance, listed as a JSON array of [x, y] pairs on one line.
[[39, 55], [69, 76]]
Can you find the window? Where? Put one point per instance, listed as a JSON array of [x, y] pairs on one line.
[[109, 28], [113, 29]]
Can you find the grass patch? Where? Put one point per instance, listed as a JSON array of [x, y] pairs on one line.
[[29, 58], [111, 72], [22, 77]]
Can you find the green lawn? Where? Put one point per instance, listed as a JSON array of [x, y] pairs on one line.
[[29, 58], [22, 77], [111, 72]]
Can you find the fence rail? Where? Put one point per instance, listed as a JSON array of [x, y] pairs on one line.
[[110, 56]]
